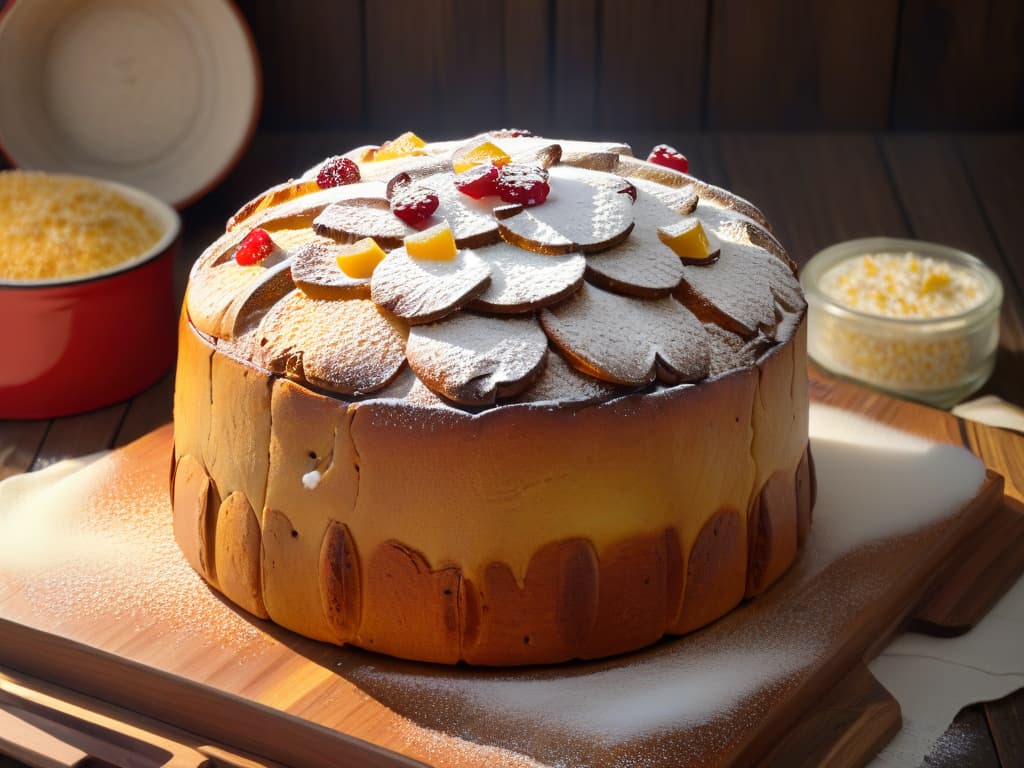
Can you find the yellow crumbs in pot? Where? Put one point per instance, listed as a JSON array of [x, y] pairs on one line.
[[54, 226]]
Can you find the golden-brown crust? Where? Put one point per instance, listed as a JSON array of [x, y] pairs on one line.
[[341, 588], [237, 554], [771, 532], [548, 616], [410, 610], [715, 573], [194, 500]]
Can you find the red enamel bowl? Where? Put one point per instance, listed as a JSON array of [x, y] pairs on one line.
[[68, 346]]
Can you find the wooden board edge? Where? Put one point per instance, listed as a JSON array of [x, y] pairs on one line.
[[201, 709], [852, 722]]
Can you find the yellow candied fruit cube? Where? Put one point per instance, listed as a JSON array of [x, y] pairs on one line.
[[687, 238], [406, 144], [434, 244], [870, 266], [480, 154], [359, 259], [935, 281]]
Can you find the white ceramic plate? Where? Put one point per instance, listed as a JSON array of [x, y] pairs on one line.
[[158, 94]]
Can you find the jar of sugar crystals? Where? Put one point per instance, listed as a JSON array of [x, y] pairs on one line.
[[916, 319]]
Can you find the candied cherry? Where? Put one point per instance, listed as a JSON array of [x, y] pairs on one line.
[[523, 184], [256, 246], [669, 157], [479, 181], [337, 171], [629, 189], [414, 204]]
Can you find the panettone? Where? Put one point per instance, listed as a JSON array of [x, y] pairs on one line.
[[506, 400]]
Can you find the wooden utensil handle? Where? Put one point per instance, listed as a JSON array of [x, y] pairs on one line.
[[25, 741]]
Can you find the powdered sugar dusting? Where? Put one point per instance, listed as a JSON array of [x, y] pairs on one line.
[[522, 280], [473, 359], [629, 341], [90, 542]]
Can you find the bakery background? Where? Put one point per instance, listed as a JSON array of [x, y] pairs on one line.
[[916, 105]]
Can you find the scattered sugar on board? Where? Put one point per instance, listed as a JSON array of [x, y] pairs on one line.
[[83, 547]]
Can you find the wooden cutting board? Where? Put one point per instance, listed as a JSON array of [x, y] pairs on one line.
[[117, 614]]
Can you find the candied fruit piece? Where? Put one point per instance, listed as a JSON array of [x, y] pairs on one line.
[[935, 281], [480, 154], [479, 181], [434, 244], [523, 184], [406, 144], [687, 238], [337, 171], [359, 259], [256, 246], [414, 204], [669, 157]]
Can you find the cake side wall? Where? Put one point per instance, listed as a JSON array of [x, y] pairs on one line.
[[629, 521]]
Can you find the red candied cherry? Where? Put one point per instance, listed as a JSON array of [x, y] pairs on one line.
[[256, 246], [629, 189], [523, 184], [478, 182], [337, 171], [669, 157], [413, 204]]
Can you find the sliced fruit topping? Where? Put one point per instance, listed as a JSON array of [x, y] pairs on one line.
[[434, 244], [421, 291], [669, 157], [350, 347], [223, 298], [561, 383], [474, 359], [485, 153], [522, 281], [479, 181], [319, 272], [413, 204], [689, 241], [353, 220], [738, 292], [628, 341], [256, 246], [523, 184], [337, 171], [586, 213], [276, 195], [406, 144], [595, 161], [359, 259]]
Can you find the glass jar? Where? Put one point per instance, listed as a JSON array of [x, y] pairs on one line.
[[936, 360]]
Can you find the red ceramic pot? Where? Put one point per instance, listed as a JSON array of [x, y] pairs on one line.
[[75, 345]]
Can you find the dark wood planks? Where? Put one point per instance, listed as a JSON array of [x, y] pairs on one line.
[[1006, 721], [652, 58], [944, 204], [785, 64], [959, 65], [78, 435], [19, 444], [312, 60], [574, 78], [815, 189], [527, 60]]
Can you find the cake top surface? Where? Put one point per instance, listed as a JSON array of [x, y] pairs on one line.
[[503, 268]]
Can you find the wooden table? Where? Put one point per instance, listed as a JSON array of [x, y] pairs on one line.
[[817, 189]]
